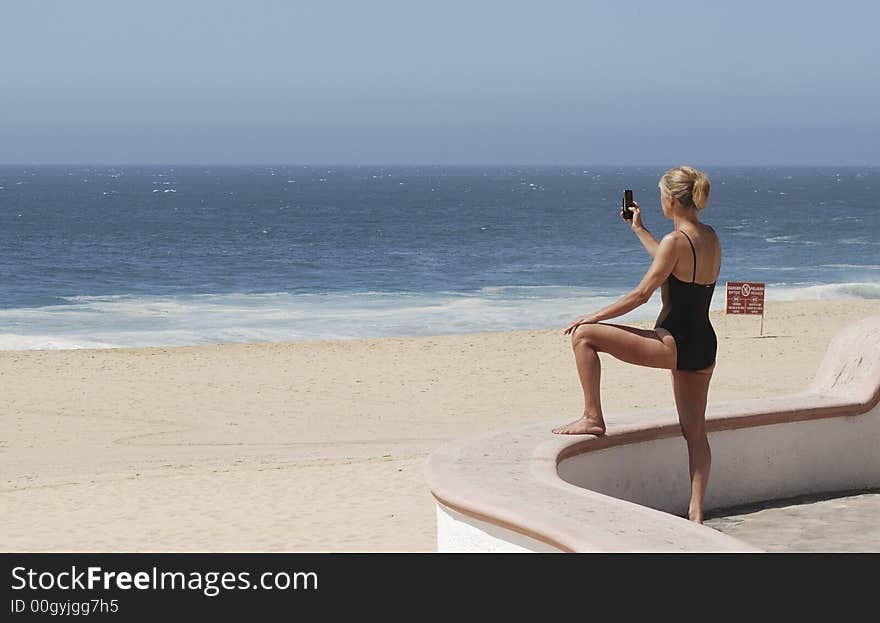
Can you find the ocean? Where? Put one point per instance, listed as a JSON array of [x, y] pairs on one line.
[[104, 256]]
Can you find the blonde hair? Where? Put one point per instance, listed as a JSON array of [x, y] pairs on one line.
[[689, 186]]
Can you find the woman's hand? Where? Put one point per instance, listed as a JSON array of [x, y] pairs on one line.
[[636, 221], [588, 319]]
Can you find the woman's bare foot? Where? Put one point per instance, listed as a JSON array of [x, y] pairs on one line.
[[695, 515], [582, 426]]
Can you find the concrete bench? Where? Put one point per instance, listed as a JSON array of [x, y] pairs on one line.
[[527, 490]]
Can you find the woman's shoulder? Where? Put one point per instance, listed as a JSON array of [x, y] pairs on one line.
[[711, 231], [675, 237], [680, 236]]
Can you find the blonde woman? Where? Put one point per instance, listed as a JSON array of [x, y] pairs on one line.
[[686, 265]]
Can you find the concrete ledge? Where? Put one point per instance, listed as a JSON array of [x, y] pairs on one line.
[[529, 490]]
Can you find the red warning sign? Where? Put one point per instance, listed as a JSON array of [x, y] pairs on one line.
[[745, 298]]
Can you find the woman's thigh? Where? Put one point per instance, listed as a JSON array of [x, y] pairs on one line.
[[691, 389], [643, 347]]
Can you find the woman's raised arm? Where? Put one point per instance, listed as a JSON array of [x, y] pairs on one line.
[[645, 237]]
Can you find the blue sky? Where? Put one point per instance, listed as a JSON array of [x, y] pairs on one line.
[[392, 82]]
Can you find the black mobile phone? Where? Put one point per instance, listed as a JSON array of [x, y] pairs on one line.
[[627, 203]]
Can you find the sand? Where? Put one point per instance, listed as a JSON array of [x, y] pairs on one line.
[[314, 446]]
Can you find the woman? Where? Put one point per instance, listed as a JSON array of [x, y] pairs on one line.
[[686, 266]]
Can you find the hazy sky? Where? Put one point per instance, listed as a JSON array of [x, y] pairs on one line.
[[477, 82]]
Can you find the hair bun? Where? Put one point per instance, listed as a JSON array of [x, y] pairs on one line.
[[700, 192]]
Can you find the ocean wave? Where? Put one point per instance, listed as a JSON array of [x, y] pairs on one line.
[[792, 239], [133, 321], [136, 321], [794, 292], [12, 341], [528, 292], [856, 241]]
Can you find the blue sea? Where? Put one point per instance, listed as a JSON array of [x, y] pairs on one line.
[[100, 256]]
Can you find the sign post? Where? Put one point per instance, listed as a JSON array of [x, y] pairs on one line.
[[745, 297]]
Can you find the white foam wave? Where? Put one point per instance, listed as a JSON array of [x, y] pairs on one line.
[[796, 292], [134, 321], [131, 321], [12, 341], [794, 239]]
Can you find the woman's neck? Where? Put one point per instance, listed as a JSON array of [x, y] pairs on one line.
[[688, 218]]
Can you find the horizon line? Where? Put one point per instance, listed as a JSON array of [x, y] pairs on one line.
[[414, 164]]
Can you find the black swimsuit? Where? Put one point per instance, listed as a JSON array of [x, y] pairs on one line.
[[685, 315]]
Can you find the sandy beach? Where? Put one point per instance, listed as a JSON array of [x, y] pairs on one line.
[[314, 446]]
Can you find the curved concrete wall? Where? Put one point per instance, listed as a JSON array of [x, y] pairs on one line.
[[529, 490], [748, 464], [457, 532]]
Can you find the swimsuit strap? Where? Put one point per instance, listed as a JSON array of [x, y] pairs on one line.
[[694, 251]]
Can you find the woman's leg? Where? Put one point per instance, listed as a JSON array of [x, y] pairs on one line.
[[639, 346], [691, 394]]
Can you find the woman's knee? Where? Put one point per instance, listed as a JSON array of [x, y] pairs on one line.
[[693, 432], [584, 335]]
